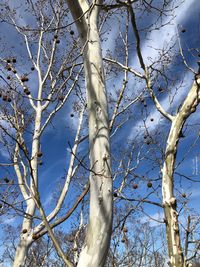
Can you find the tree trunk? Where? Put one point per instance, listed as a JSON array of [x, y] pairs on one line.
[[26, 238], [189, 105], [98, 235]]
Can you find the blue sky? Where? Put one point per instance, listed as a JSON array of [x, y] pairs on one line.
[[56, 151]]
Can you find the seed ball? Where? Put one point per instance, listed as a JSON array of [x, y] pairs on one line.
[[14, 60], [9, 68], [1, 206], [152, 119], [135, 186], [41, 163], [61, 98], [57, 41], [8, 60], [123, 240], [72, 115], [5, 98], [145, 105], [72, 32], [183, 30], [8, 77], [26, 91], [6, 180], [149, 184], [9, 99], [14, 71], [32, 68], [184, 195], [55, 36]]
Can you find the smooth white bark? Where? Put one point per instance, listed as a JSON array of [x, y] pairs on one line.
[[169, 201], [98, 235]]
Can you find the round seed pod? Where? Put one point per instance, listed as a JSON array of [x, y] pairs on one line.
[[6, 180], [149, 184], [135, 186], [5, 98], [71, 32]]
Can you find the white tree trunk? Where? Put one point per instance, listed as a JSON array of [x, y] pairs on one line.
[[26, 238], [169, 201], [98, 235]]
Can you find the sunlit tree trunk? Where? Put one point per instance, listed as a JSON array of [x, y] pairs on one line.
[[26, 232], [175, 251], [98, 235]]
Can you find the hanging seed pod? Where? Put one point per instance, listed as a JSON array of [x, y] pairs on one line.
[[24, 79], [61, 98], [6, 180], [26, 91], [5, 98], [9, 68], [135, 186], [149, 184]]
